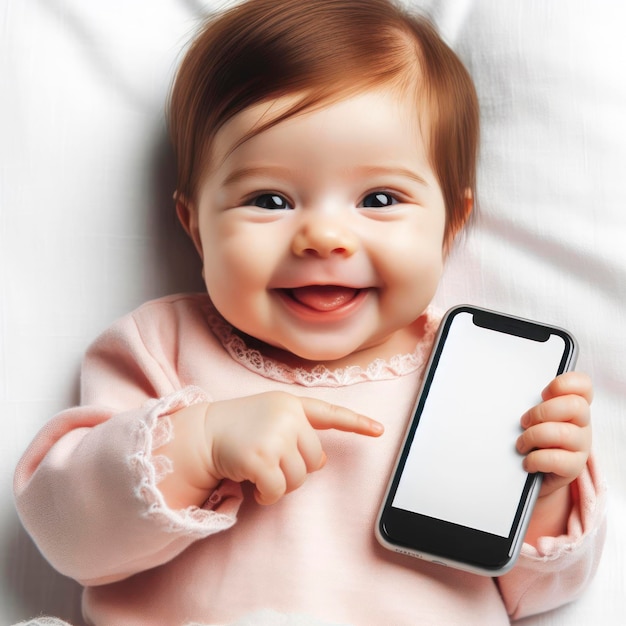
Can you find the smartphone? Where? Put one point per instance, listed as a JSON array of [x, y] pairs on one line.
[[459, 495]]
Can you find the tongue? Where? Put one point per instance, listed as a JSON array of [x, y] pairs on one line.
[[323, 297]]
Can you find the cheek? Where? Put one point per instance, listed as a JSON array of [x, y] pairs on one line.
[[417, 256], [412, 277], [420, 275], [236, 258]]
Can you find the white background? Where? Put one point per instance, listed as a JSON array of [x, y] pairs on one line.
[[87, 230]]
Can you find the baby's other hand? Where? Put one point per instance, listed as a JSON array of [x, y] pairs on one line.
[[270, 439], [557, 432]]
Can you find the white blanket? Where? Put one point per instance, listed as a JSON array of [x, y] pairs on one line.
[[87, 230]]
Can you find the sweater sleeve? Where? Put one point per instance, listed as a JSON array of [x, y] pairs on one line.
[[86, 488], [560, 568]]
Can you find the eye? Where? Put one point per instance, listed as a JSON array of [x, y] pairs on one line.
[[378, 200], [271, 201]]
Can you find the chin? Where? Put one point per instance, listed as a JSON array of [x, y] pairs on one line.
[[312, 353], [332, 356], [322, 356]]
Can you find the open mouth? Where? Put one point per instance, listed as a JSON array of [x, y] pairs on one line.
[[323, 298]]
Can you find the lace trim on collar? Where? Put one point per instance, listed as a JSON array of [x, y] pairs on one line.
[[320, 375]]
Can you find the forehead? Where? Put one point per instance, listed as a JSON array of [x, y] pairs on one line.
[[364, 117]]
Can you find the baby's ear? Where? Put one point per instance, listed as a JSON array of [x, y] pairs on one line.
[[468, 207], [188, 217]]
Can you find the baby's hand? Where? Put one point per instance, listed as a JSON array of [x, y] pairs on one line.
[[270, 439], [557, 435]]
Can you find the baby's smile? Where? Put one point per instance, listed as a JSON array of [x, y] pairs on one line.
[[327, 301], [323, 297]]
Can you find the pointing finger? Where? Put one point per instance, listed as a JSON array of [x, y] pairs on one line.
[[323, 415]]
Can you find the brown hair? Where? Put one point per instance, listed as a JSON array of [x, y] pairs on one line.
[[260, 50]]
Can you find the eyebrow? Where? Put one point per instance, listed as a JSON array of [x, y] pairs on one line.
[[262, 170], [395, 171], [283, 172]]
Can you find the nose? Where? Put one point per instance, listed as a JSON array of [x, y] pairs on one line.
[[324, 237]]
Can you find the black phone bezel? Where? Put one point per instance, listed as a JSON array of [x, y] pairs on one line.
[[445, 541]]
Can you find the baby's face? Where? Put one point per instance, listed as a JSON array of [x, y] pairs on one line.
[[323, 235]]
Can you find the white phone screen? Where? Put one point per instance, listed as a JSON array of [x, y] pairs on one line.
[[462, 466]]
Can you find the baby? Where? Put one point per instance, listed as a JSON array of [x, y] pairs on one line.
[[326, 159]]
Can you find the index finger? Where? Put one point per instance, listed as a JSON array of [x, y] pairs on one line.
[[324, 415]]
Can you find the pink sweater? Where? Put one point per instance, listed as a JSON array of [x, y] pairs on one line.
[[87, 492]]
